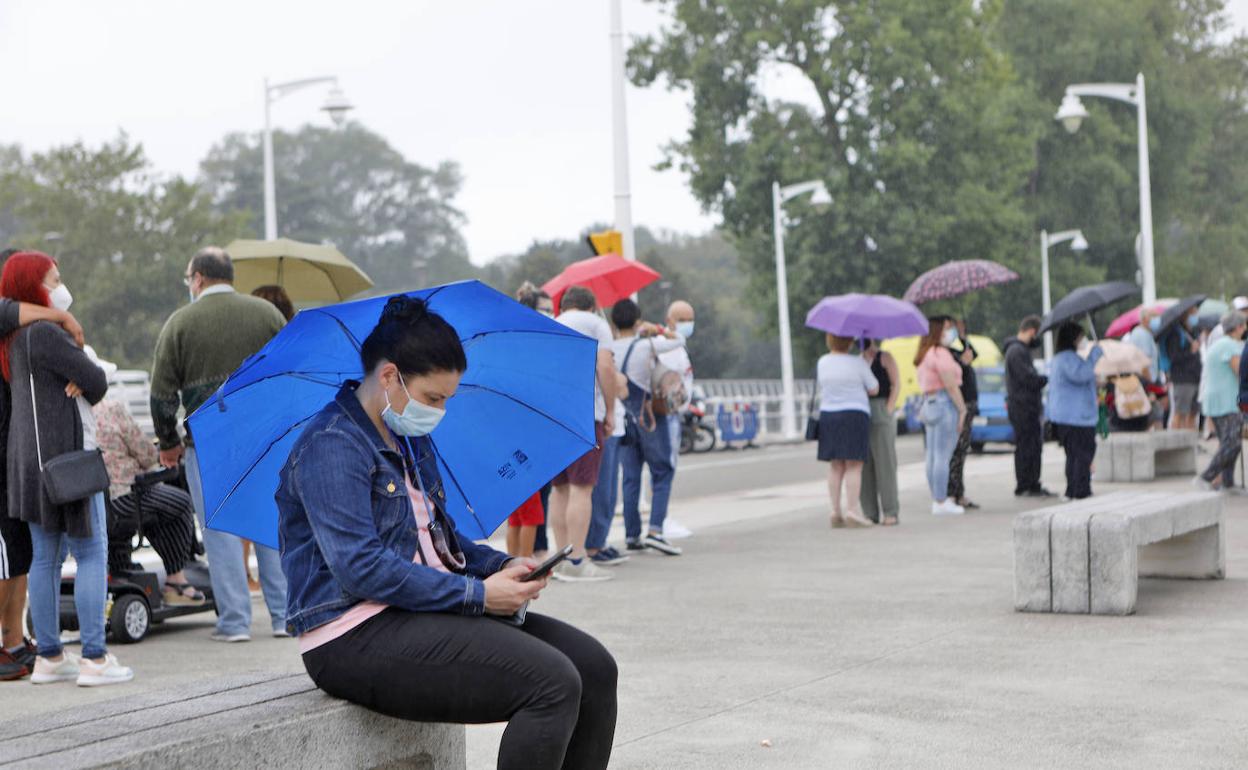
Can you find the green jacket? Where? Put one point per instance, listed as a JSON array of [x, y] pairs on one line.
[[200, 347]]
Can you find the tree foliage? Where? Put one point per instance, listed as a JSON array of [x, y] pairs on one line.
[[349, 187], [121, 234]]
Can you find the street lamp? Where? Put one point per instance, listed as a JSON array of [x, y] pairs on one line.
[[1077, 243], [1071, 114], [336, 105], [788, 414]]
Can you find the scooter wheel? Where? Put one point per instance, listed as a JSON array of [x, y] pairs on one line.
[[130, 619]]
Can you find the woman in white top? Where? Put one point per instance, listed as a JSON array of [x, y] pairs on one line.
[[845, 383]]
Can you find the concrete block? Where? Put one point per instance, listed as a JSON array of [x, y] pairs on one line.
[[1113, 569], [1196, 555], [1068, 539], [1174, 462], [1032, 565]]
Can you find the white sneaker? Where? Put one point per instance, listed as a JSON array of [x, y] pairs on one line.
[[674, 530], [230, 638], [585, 572], [1200, 483], [100, 674], [947, 508], [63, 670]]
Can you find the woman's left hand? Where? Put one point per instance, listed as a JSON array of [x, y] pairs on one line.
[[72, 391]]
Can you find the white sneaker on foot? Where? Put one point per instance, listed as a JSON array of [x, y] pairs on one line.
[[47, 671], [674, 530], [1200, 483], [585, 572], [230, 638], [100, 674], [947, 508]]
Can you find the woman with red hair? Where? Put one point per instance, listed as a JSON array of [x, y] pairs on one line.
[[54, 383]]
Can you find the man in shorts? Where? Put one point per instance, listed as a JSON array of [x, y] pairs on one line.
[[571, 499], [1182, 345]]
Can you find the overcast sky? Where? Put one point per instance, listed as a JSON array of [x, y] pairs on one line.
[[516, 92]]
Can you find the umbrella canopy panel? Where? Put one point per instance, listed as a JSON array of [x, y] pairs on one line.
[[1177, 312], [1124, 323], [873, 316], [1086, 300], [310, 273], [1120, 358], [610, 277], [524, 410], [953, 279]]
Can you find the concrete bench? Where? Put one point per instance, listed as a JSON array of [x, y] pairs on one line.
[[1145, 456], [1087, 556], [276, 721]]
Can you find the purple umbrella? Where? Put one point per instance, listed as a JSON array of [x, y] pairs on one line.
[[873, 316], [953, 279]]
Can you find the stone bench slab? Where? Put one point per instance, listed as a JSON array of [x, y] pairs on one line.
[[1144, 456], [263, 721]]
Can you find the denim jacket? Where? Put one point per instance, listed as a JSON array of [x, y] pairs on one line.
[[1072, 388], [346, 527]]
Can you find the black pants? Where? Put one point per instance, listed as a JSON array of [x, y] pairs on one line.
[[1230, 429], [957, 486], [1080, 445], [167, 525], [540, 542], [552, 684], [1028, 444]]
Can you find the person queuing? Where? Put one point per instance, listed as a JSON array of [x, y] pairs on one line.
[[680, 319], [397, 611], [645, 441], [571, 501], [1221, 405], [1182, 348], [167, 512], [17, 653], [197, 350], [880, 500], [43, 365], [965, 354], [1024, 405], [1142, 338], [845, 384], [536, 299], [1073, 407], [607, 489], [943, 411]]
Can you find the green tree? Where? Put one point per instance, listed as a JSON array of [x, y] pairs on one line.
[[349, 187], [917, 125], [125, 235]]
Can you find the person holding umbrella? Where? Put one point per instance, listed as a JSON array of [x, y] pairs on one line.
[[1181, 346], [845, 383], [1073, 407], [943, 411], [391, 603]]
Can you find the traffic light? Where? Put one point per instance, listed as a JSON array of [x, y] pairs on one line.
[[606, 242]]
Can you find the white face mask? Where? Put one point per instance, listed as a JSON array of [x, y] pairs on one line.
[[684, 328], [60, 298], [951, 336], [417, 419]]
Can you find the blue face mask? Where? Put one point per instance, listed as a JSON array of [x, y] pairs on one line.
[[684, 328], [1191, 322], [1154, 325], [417, 419]]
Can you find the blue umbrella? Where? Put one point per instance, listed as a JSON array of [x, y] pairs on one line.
[[524, 410]]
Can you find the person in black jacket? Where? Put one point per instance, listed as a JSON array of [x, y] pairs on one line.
[[1023, 386], [1182, 346]]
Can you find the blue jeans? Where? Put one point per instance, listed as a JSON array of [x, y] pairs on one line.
[[940, 417], [674, 428], [229, 574], [654, 449], [606, 493], [90, 585]]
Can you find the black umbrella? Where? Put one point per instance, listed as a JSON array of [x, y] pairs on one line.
[[1086, 300], [1177, 312]]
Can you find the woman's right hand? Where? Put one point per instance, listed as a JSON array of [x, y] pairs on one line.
[[506, 593]]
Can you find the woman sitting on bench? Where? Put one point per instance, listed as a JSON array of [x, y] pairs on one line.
[[388, 599]]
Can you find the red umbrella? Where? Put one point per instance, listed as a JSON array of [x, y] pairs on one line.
[[1131, 319], [610, 277]]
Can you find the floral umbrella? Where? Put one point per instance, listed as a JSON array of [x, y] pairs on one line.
[[953, 279]]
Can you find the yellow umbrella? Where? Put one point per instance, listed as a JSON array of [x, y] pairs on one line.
[[310, 273]]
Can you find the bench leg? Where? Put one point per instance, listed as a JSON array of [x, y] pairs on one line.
[[1114, 566], [1143, 461], [1199, 555], [1032, 567], [1068, 537], [1176, 462]]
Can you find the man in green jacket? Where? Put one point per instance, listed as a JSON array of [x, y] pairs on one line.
[[200, 346]]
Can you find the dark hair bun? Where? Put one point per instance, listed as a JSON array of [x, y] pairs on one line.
[[403, 309]]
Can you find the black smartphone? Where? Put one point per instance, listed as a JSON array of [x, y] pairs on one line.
[[545, 567]]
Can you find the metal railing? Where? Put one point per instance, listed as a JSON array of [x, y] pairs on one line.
[[766, 398]]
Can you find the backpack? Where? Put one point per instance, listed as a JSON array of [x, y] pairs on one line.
[[667, 387], [1130, 399]]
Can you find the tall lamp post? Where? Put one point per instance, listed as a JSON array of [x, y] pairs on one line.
[[1077, 243], [336, 105], [619, 135], [788, 413], [1071, 114]]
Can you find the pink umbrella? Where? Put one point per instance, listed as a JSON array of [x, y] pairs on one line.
[[1131, 319]]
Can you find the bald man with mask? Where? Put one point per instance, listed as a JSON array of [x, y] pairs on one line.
[[680, 319]]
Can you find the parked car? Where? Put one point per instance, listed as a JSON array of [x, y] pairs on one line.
[[991, 426]]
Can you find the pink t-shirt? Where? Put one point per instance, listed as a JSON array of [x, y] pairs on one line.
[[366, 609], [935, 361]]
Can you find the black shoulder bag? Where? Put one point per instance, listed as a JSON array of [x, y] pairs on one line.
[[74, 475], [812, 417]]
